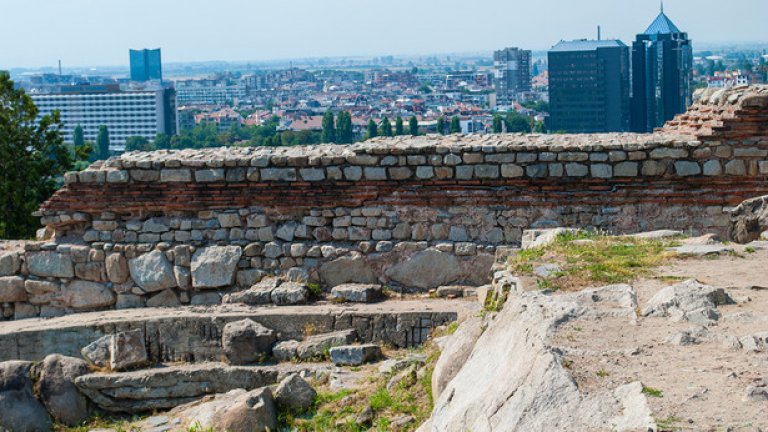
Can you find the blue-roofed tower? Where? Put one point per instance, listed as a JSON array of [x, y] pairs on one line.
[[662, 65]]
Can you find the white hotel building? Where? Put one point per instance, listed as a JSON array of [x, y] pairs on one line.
[[144, 113]]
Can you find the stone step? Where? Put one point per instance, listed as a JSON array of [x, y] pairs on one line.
[[166, 387], [193, 334]]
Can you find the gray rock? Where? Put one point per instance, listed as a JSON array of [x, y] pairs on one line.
[[702, 250], [205, 299], [659, 234], [757, 392], [286, 350], [97, 352], [248, 278], [84, 295], [347, 269], [355, 355], [295, 394], [165, 298], [152, 272], [214, 266], [358, 293], [251, 412], [688, 301], [12, 289], [450, 291], [50, 264], [9, 263], [455, 353], [57, 389], [258, 294], [317, 346], [168, 387], [246, 341], [426, 269], [19, 410], [290, 293], [117, 268], [127, 350]]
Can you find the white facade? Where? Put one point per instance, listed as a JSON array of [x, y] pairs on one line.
[[125, 114], [208, 92]]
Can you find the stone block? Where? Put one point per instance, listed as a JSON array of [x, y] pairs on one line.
[[375, 173], [50, 264], [152, 272], [127, 350], [487, 171], [85, 295], [12, 289], [209, 175], [626, 169], [601, 170], [687, 168], [214, 266], [712, 168], [357, 293], [355, 355], [246, 341], [736, 168], [312, 174], [10, 263], [175, 175]]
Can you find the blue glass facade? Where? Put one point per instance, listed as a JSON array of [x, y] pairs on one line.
[[146, 65]]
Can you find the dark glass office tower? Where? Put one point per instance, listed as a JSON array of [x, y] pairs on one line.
[[146, 65], [662, 65], [589, 86]]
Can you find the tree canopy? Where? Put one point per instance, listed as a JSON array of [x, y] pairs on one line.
[[441, 125], [33, 157], [517, 122], [329, 130], [413, 126], [386, 128], [399, 126], [373, 130], [102, 142], [455, 124]]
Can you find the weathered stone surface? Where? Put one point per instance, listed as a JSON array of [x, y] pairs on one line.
[[165, 298], [455, 353], [80, 294], [295, 394], [12, 289], [117, 268], [127, 350], [214, 266], [58, 392], [98, 352], [152, 272], [9, 263], [749, 220], [355, 355], [246, 341], [290, 293], [688, 301], [19, 410], [427, 269], [347, 269], [48, 263], [258, 294], [702, 250], [357, 293], [169, 387]]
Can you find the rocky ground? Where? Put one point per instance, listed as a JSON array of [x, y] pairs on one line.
[[708, 377]]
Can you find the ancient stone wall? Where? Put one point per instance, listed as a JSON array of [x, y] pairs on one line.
[[172, 227]]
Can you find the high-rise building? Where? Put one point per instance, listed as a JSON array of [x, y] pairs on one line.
[[662, 72], [512, 73], [144, 113], [589, 86], [146, 65]]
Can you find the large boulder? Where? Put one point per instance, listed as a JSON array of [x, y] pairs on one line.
[[215, 266], [152, 272], [12, 289], [168, 387], [19, 410], [427, 269], [127, 350], [347, 269], [80, 294], [235, 411], [58, 391], [290, 293], [117, 268], [455, 353], [246, 341], [355, 355], [295, 394], [10, 264], [688, 301], [314, 347], [749, 219], [50, 264], [258, 294]]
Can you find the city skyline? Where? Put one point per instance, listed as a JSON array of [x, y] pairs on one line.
[[79, 35]]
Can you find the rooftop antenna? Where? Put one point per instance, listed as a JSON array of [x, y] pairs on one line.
[[59, 67], [662, 6], [598, 33]]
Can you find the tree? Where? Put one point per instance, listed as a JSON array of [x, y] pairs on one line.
[[77, 136], [329, 132], [540, 127], [413, 126], [162, 141], [441, 125], [102, 142], [517, 122], [455, 124], [386, 127], [373, 131], [498, 124], [399, 126], [137, 143], [32, 159], [344, 134]]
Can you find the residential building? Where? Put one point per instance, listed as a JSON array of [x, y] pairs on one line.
[[144, 113], [589, 86], [210, 92], [662, 73], [146, 65], [224, 119], [512, 72]]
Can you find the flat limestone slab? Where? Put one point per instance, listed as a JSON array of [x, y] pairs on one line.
[[193, 333]]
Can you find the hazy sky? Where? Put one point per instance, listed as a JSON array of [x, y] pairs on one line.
[[100, 32]]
